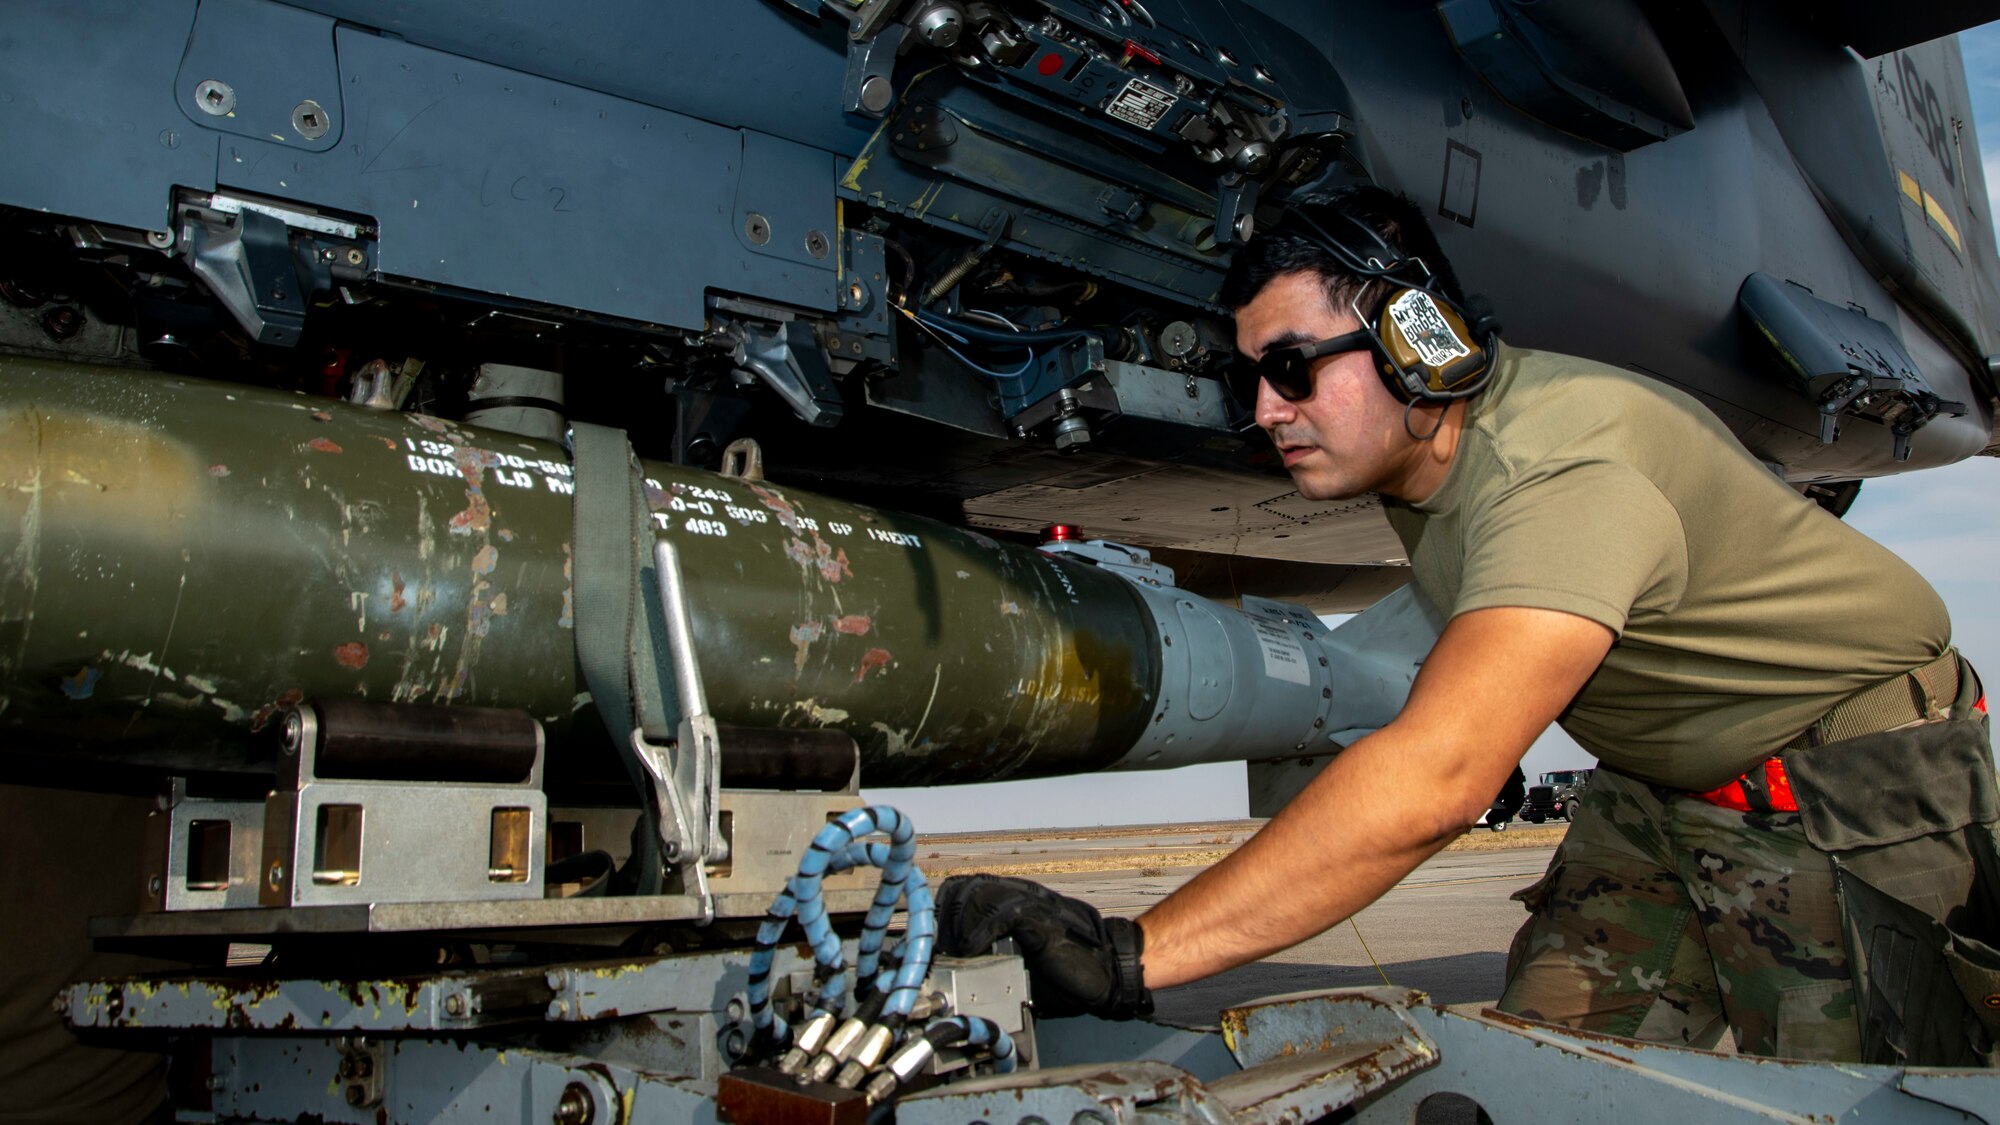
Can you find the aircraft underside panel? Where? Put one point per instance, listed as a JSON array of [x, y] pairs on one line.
[[1544, 222], [825, 226]]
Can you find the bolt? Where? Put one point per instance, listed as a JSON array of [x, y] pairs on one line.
[[154, 886], [62, 322], [276, 876], [295, 732], [454, 1005], [356, 1095], [575, 1107], [876, 93], [160, 239]]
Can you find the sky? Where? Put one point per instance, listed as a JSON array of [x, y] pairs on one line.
[[1944, 522]]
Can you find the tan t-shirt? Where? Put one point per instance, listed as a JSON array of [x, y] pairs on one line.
[[1743, 610]]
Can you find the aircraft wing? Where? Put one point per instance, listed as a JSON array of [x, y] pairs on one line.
[[1874, 29]]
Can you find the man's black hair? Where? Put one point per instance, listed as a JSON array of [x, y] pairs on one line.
[[1285, 250]]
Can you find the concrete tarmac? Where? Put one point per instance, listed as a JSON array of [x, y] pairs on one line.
[[1444, 929]]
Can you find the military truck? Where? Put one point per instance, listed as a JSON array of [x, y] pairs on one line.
[[1555, 797]]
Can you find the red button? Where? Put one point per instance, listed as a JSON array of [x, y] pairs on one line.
[[1050, 63]]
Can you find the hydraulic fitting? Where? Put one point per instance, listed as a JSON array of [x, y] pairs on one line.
[[811, 1038], [844, 1040], [866, 1055]]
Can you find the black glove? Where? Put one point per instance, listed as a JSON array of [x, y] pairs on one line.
[[1078, 960]]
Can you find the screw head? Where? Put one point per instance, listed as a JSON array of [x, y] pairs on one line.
[[295, 732], [757, 228], [356, 1095], [817, 245], [154, 886], [454, 1005], [214, 97], [275, 877], [309, 120], [355, 257]]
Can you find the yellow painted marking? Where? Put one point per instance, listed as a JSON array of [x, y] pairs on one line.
[[626, 1117], [1910, 188], [852, 181], [1937, 215]]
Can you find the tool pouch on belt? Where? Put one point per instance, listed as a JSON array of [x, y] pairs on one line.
[[1908, 817]]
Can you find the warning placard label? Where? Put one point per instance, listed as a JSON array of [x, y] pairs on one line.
[[1284, 656], [1141, 103]]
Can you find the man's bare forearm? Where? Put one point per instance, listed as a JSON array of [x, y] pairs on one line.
[[1495, 680], [1338, 846]]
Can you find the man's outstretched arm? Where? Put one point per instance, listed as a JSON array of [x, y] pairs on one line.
[[1495, 680]]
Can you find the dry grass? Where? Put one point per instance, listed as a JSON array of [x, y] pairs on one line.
[[1514, 836]]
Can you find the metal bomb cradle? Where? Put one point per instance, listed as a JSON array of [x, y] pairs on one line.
[[368, 654]]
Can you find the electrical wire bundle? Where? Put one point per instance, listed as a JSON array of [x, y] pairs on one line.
[[888, 982]]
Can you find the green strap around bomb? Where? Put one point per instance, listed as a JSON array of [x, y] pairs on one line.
[[611, 576]]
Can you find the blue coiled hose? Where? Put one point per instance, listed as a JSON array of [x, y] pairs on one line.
[[835, 848], [767, 1023], [975, 1031]]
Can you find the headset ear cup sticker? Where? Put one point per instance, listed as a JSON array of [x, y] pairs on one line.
[[1420, 322]]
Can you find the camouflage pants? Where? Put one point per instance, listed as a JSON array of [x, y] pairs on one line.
[[1665, 918]]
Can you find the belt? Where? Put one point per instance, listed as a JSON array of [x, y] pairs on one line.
[[1918, 696]]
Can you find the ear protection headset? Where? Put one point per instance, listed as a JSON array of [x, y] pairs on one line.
[[1427, 347]]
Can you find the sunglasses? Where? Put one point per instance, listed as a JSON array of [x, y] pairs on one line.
[[1289, 370]]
